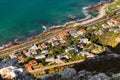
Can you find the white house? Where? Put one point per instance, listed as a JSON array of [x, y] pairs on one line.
[[50, 59], [73, 33], [71, 48], [40, 57], [84, 53], [55, 43], [84, 40], [45, 52], [34, 47]]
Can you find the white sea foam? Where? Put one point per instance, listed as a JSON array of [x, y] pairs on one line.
[[44, 27]]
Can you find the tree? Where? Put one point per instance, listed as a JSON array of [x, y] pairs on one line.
[[75, 42]]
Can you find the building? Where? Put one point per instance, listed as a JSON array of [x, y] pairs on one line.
[[84, 40], [42, 46], [45, 52], [73, 33], [40, 57], [71, 48], [28, 67], [81, 31], [110, 23], [21, 58], [62, 34]]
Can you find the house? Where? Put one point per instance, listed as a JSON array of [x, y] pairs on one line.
[[42, 46], [61, 56], [33, 63], [40, 57], [105, 26], [81, 31], [53, 60], [26, 53], [73, 33], [116, 31], [110, 23], [12, 55], [45, 52], [50, 40], [57, 38], [98, 32], [71, 48], [50, 59], [84, 53], [28, 67], [62, 34], [118, 23], [31, 51], [34, 47], [87, 54], [80, 47], [63, 45], [62, 41], [21, 58], [56, 43], [84, 40]]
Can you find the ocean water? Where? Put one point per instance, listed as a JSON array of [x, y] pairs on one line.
[[20, 19]]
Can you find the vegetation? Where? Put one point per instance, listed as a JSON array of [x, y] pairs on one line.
[[109, 39], [114, 6]]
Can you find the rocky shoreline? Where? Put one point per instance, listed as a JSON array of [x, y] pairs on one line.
[[52, 29]]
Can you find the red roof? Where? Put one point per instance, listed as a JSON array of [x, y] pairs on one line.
[[28, 67], [40, 47], [113, 19], [63, 44], [25, 51], [62, 34], [82, 31], [43, 45], [32, 63]]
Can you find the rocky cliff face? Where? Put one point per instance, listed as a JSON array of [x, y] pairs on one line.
[[72, 74]]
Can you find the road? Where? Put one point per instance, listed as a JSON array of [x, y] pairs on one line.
[[36, 71], [108, 57]]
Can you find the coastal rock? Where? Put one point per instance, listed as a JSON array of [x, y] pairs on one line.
[[83, 73], [100, 76], [68, 73], [116, 75]]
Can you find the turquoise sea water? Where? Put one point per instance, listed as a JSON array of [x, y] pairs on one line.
[[23, 18]]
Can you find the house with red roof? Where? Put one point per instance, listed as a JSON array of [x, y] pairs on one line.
[[42, 46], [28, 67], [62, 34], [81, 31]]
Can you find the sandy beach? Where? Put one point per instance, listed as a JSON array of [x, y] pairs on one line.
[[53, 31]]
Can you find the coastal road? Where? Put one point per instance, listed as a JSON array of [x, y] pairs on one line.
[[37, 71]]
